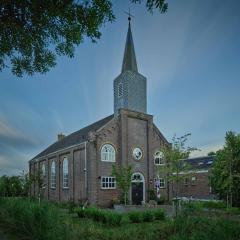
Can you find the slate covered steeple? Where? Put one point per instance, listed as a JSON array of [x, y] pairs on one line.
[[130, 87], [129, 58]]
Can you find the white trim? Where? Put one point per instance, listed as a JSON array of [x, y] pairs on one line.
[[109, 154], [106, 188], [192, 171], [65, 181], [143, 181]]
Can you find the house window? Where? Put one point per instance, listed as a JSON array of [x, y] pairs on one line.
[[194, 180], [108, 183], [120, 90], [186, 181], [159, 158], [108, 153], [43, 170], [65, 173], [161, 182], [53, 175]]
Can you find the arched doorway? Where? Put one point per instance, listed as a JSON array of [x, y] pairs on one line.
[[137, 189]]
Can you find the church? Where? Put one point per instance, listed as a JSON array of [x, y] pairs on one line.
[[78, 167]]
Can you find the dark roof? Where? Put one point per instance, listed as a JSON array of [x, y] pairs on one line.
[[75, 137], [129, 58], [200, 162]]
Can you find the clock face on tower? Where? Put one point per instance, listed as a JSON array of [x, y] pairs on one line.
[[137, 153]]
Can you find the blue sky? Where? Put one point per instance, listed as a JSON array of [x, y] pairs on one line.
[[190, 56]]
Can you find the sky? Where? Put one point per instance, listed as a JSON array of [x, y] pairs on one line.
[[190, 56]]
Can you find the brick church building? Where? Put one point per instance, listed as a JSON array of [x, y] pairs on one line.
[[78, 166]]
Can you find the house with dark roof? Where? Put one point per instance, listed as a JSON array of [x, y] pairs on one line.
[[196, 183], [78, 167]]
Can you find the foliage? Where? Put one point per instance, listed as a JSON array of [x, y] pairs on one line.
[[106, 217], [33, 33], [175, 165], [14, 186], [31, 220], [147, 216], [201, 228], [28, 220], [123, 179], [161, 5], [159, 214], [225, 177], [135, 216], [152, 194]]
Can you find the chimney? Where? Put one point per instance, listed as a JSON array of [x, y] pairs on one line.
[[60, 136]]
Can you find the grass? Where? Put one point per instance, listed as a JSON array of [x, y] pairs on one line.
[[27, 220]]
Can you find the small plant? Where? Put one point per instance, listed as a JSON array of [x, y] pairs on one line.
[[80, 212], [159, 214], [147, 216], [135, 217]]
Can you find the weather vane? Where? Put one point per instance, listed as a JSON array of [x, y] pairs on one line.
[[129, 15]]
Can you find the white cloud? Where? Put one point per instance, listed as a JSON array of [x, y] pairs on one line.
[[204, 150]]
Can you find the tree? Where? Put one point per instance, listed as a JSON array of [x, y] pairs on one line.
[[34, 32], [123, 178], [38, 180], [176, 168], [225, 177]]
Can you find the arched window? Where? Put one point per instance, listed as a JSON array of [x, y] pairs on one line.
[[65, 173], [53, 175], [43, 170], [108, 153], [159, 158]]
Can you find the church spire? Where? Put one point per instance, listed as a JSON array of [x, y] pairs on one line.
[[129, 59]]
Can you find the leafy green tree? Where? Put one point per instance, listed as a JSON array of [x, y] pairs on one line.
[[225, 177], [38, 180], [211, 154], [34, 32], [176, 168], [123, 178], [4, 186]]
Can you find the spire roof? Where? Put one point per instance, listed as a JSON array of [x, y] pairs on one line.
[[129, 59]]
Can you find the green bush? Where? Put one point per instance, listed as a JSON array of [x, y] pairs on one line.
[[213, 204], [135, 216], [80, 212], [159, 214], [99, 215], [147, 216]]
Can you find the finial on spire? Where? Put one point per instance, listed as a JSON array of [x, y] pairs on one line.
[[129, 15]]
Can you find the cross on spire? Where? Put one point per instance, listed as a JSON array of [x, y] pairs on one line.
[[129, 15]]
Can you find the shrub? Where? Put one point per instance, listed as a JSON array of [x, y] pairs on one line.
[[159, 214], [80, 212], [213, 204], [147, 216], [135, 216]]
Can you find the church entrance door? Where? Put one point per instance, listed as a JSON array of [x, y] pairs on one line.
[[137, 189]]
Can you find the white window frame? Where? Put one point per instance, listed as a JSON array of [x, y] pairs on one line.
[[53, 175], [120, 90], [110, 154], [106, 181], [160, 158], [65, 172], [43, 170], [162, 183]]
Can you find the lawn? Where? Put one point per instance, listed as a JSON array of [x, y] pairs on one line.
[[25, 219]]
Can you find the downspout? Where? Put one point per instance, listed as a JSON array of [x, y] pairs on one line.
[[85, 168]]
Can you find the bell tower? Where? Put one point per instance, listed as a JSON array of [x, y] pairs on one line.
[[130, 87]]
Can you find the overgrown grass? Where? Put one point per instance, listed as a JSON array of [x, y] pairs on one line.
[[28, 220]]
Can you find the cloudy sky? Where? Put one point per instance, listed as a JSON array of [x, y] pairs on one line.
[[190, 56]]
